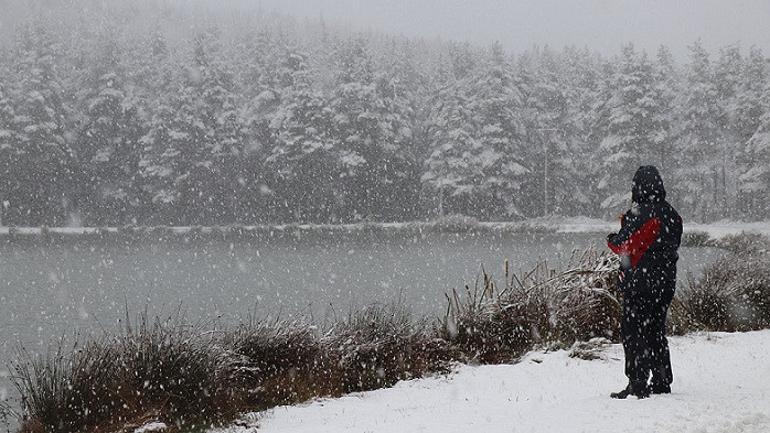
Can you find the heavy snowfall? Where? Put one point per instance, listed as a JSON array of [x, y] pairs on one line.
[[405, 216]]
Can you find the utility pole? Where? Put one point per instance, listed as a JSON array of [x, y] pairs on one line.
[[545, 182], [545, 166]]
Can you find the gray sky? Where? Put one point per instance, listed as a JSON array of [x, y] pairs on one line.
[[600, 24]]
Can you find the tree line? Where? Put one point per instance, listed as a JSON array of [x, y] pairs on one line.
[[282, 121]]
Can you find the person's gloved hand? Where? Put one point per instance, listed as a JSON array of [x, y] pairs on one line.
[[610, 236]]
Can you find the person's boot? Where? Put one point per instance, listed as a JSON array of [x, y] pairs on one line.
[[660, 388], [661, 379], [638, 390]]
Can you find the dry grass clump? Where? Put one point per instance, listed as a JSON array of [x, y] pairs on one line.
[[66, 388], [168, 366], [166, 370], [159, 368], [486, 328], [492, 324], [276, 362], [679, 320], [733, 294], [744, 244], [696, 239], [584, 298], [380, 345]]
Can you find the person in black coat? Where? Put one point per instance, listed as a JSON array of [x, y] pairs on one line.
[[647, 244]]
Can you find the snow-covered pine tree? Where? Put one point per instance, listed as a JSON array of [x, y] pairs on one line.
[[148, 67], [259, 71], [752, 102], [448, 168], [179, 146], [43, 172], [193, 150], [7, 135], [150, 83], [256, 65], [755, 182], [698, 141], [573, 190], [365, 153], [108, 142], [550, 135], [597, 128], [631, 128], [462, 59], [7, 115], [397, 85], [664, 92], [501, 158], [158, 160], [221, 181], [728, 72], [304, 154]]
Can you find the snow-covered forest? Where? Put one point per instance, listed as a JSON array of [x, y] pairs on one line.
[[126, 115]]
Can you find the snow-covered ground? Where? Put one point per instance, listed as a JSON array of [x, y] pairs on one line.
[[722, 385], [559, 224], [722, 228], [592, 225]]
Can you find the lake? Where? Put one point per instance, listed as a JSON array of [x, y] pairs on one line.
[[64, 288]]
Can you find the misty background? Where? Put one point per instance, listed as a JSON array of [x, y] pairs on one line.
[[601, 25], [198, 113], [212, 113]]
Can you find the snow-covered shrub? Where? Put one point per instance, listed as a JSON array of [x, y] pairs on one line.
[[485, 327], [68, 388], [733, 294], [275, 362], [679, 320], [696, 239], [155, 368], [494, 323], [168, 365], [380, 345], [744, 243]]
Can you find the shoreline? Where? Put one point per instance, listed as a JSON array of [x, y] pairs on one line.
[[446, 225]]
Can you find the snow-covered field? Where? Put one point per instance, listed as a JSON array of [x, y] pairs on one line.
[[722, 385]]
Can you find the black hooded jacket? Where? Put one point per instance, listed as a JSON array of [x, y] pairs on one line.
[[649, 236]]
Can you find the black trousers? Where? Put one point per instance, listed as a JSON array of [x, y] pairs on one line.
[[643, 327]]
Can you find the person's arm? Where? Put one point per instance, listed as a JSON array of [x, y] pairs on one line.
[[637, 233]]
